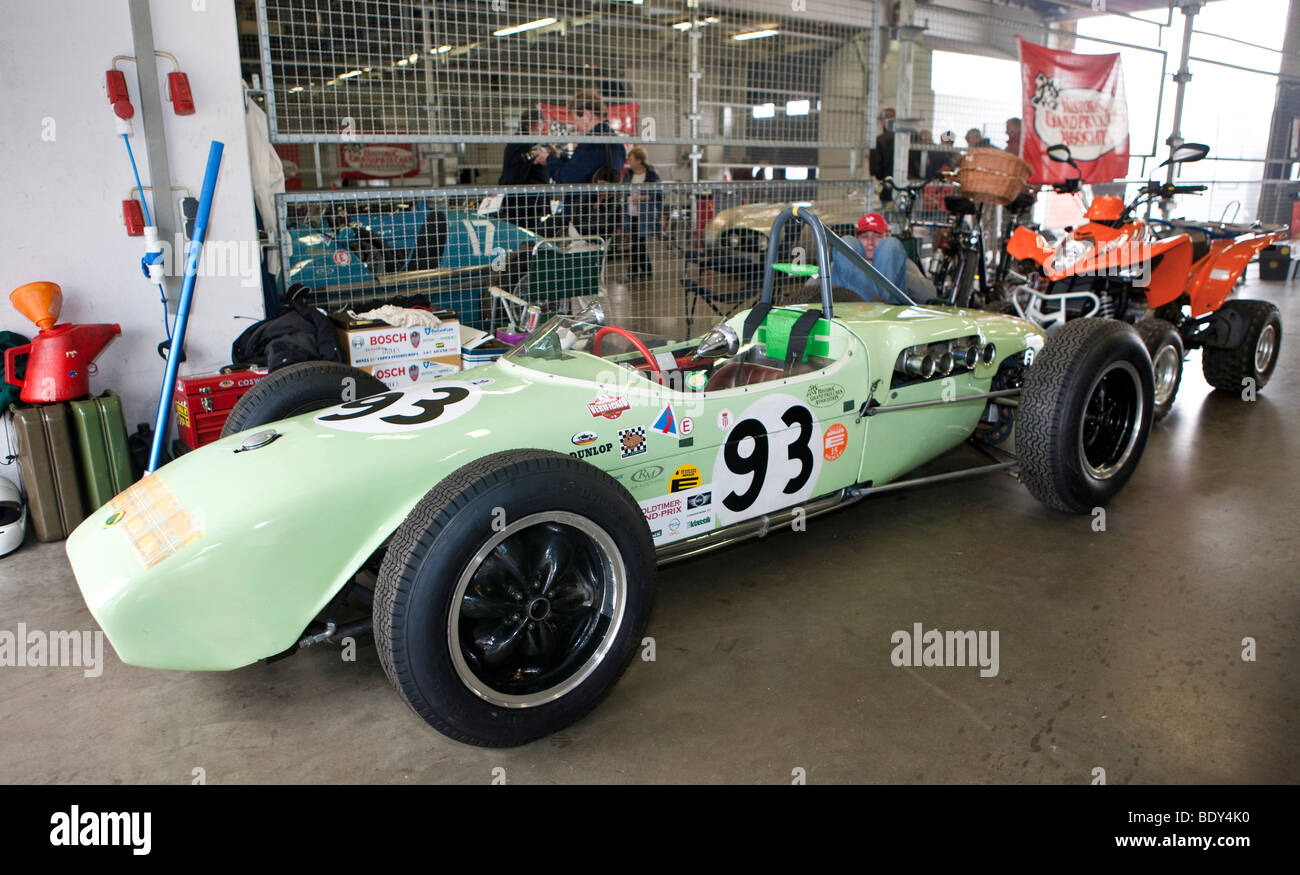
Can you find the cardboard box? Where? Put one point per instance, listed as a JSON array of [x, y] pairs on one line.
[[479, 348], [404, 375], [371, 343]]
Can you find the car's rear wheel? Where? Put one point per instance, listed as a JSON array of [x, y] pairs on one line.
[[1255, 358], [514, 596], [1165, 345], [1085, 414], [297, 389]]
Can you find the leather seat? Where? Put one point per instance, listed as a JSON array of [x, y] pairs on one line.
[[734, 374], [959, 204], [1200, 239]]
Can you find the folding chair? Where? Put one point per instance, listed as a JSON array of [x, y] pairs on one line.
[[561, 269]]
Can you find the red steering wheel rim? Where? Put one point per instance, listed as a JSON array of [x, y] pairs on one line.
[[630, 338]]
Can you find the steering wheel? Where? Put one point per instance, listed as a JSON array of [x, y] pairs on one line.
[[630, 338]]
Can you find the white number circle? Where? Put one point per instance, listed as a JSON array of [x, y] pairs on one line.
[[424, 406]]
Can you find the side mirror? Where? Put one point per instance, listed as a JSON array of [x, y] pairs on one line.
[[590, 318], [1186, 153], [1061, 153], [720, 342]]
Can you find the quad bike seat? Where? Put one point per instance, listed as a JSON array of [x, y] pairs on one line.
[[1200, 239]]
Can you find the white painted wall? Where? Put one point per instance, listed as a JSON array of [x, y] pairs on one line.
[[61, 219]]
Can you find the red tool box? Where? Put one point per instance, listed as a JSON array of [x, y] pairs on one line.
[[203, 401]]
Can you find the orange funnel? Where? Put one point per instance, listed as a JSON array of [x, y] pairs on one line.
[[39, 302]]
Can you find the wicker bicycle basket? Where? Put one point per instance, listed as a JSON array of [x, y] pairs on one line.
[[992, 176]]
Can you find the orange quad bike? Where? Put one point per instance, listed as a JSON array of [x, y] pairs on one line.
[[1170, 279]]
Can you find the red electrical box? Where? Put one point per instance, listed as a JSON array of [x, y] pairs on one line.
[[133, 217], [178, 84], [203, 401]]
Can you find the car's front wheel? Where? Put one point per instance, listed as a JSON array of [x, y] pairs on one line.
[[514, 596], [1085, 413]]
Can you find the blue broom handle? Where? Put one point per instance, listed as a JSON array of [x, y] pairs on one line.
[[187, 297]]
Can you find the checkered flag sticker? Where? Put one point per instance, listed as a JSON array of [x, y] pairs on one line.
[[631, 441]]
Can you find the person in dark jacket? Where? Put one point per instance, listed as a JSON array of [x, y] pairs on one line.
[[593, 213], [644, 210], [881, 162], [525, 164]]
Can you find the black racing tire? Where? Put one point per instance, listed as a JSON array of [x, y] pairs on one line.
[[1165, 346], [468, 635], [1255, 359], [1085, 414], [296, 389]]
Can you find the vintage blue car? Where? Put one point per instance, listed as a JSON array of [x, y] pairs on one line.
[[419, 248]]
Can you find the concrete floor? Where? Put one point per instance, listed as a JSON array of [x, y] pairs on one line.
[[1119, 649]]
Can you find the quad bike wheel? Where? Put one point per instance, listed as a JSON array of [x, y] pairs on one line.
[[297, 389], [1085, 414], [514, 596], [1166, 348], [1255, 358]]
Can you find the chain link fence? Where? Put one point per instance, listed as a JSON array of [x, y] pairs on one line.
[[672, 261]]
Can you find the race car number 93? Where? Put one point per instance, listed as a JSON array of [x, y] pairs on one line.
[[395, 412], [769, 459]]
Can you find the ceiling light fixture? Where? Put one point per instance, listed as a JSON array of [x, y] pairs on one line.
[[520, 28]]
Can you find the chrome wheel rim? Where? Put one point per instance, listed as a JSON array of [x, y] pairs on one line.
[[1166, 366], [1264, 349], [1111, 421], [537, 609]]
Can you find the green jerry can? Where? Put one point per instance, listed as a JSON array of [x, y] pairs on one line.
[[47, 460], [102, 444]]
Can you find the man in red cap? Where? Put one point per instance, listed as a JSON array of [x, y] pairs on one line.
[[885, 253]]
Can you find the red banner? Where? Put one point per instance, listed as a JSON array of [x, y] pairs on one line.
[[1078, 101], [378, 160]]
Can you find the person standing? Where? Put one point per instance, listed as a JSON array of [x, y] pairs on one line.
[[525, 164], [644, 210], [882, 154], [976, 140], [589, 163], [1013, 136], [943, 158]]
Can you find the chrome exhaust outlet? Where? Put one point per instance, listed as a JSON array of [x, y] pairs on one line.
[[967, 357], [943, 364], [919, 365], [988, 354]]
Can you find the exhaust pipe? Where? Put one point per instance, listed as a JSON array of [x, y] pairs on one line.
[[988, 354], [919, 365], [967, 357], [944, 363]]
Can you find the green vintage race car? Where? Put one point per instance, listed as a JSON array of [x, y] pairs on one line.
[[513, 516]]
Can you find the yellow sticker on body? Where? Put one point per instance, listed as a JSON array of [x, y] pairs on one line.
[[153, 520]]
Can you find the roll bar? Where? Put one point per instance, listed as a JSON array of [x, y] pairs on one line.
[[825, 243]]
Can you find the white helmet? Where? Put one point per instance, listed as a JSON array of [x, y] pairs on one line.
[[13, 517]]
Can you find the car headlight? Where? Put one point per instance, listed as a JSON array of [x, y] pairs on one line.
[[1070, 252]]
